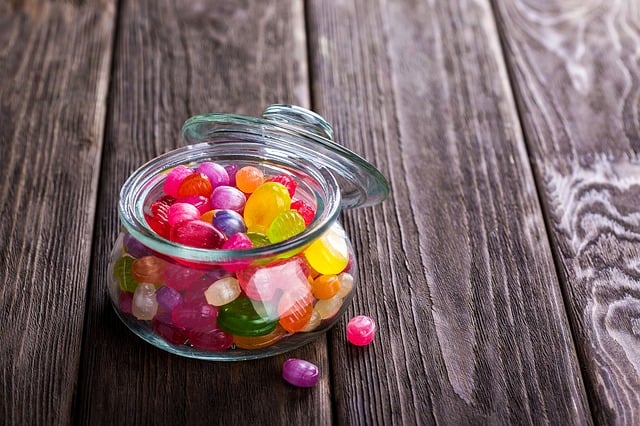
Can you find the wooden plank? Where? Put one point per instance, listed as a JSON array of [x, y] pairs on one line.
[[576, 77], [54, 73], [456, 266], [172, 60]]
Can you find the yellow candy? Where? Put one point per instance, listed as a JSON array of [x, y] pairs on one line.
[[329, 254], [264, 204]]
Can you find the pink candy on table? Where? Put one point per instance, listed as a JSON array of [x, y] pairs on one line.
[[361, 330]]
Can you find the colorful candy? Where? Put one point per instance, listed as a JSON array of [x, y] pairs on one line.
[[300, 373], [361, 330], [239, 303]]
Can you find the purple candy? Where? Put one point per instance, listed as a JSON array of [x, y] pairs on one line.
[[134, 247], [300, 373], [191, 315], [229, 222], [232, 169], [168, 298], [217, 174], [228, 197]]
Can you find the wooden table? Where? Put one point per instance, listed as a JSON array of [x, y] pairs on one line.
[[503, 271]]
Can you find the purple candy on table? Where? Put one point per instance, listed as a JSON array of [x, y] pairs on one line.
[[217, 174], [300, 373], [228, 197], [168, 298], [229, 222]]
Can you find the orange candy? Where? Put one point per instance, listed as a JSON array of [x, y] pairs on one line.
[[325, 286], [195, 184], [259, 342], [249, 178], [148, 269], [208, 216]]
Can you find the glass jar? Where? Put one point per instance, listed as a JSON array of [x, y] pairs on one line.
[[238, 304]]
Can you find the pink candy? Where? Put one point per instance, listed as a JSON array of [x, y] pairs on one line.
[[361, 330], [181, 212], [175, 179]]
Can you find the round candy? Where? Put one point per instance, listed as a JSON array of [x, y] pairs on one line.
[[229, 222], [305, 210], [148, 269], [217, 174], [210, 338], [158, 217], [295, 311], [180, 277], [195, 184], [249, 178], [175, 178], [223, 291], [329, 307], [259, 342], [181, 212], [329, 254], [228, 197], [134, 247], [300, 373], [231, 169], [361, 330], [267, 201], [198, 201], [197, 233], [190, 315], [258, 239], [241, 318], [287, 181], [325, 286]]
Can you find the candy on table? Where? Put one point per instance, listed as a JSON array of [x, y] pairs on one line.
[[122, 273], [144, 305], [196, 233], [174, 179], [249, 178], [259, 342], [285, 225], [200, 202], [192, 315], [361, 330], [125, 300], [286, 180], [217, 174], [182, 212], [241, 318], [149, 269], [223, 291], [210, 338], [228, 197], [229, 222], [329, 254], [300, 373], [168, 298], [264, 204]]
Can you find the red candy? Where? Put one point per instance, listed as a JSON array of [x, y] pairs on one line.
[[287, 181], [196, 233], [305, 211]]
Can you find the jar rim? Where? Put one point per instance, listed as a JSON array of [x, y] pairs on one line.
[[137, 188]]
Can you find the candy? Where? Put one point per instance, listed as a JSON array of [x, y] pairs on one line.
[[182, 212], [191, 315], [287, 181], [241, 317], [325, 286], [168, 298], [197, 233], [232, 169], [134, 247], [300, 373], [295, 311], [198, 201], [259, 342], [148, 269], [361, 330], [314, 322], [166, 329], [329, 254], [249, 178], [175, 178], [210, 338], [223, 291], [228, 197], [216, 173], [229, 222], [346, 284], [329, 307], [125, 300], [237, 242], [144, 305], [285, 225], [265, 203], [195, 184], [258, 239], [157, 218], [180, 277], [122, 273], [305, 210]]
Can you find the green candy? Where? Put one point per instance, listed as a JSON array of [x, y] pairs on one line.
[[286, 225], [240, 317], [258, 239], [122, 273]]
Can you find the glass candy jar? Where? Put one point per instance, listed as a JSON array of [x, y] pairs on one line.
[[257, 285]]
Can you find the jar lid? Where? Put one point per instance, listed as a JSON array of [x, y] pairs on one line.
[[298, 133]]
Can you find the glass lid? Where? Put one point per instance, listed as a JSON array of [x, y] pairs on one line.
[[299, 133]]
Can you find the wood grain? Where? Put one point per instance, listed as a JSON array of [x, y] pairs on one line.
[[456, 266], [577, 79], [172, 60], [54, 72]]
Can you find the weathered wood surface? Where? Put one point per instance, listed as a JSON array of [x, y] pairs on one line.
[[54, 74], [456, 266], [577, 79], [172, 60]]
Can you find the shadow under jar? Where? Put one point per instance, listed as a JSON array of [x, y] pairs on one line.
[[273, 296]]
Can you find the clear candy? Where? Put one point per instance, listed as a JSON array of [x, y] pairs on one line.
[[144, 305], [223, 291]]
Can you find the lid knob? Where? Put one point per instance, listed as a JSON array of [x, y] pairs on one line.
[[299, 117]]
